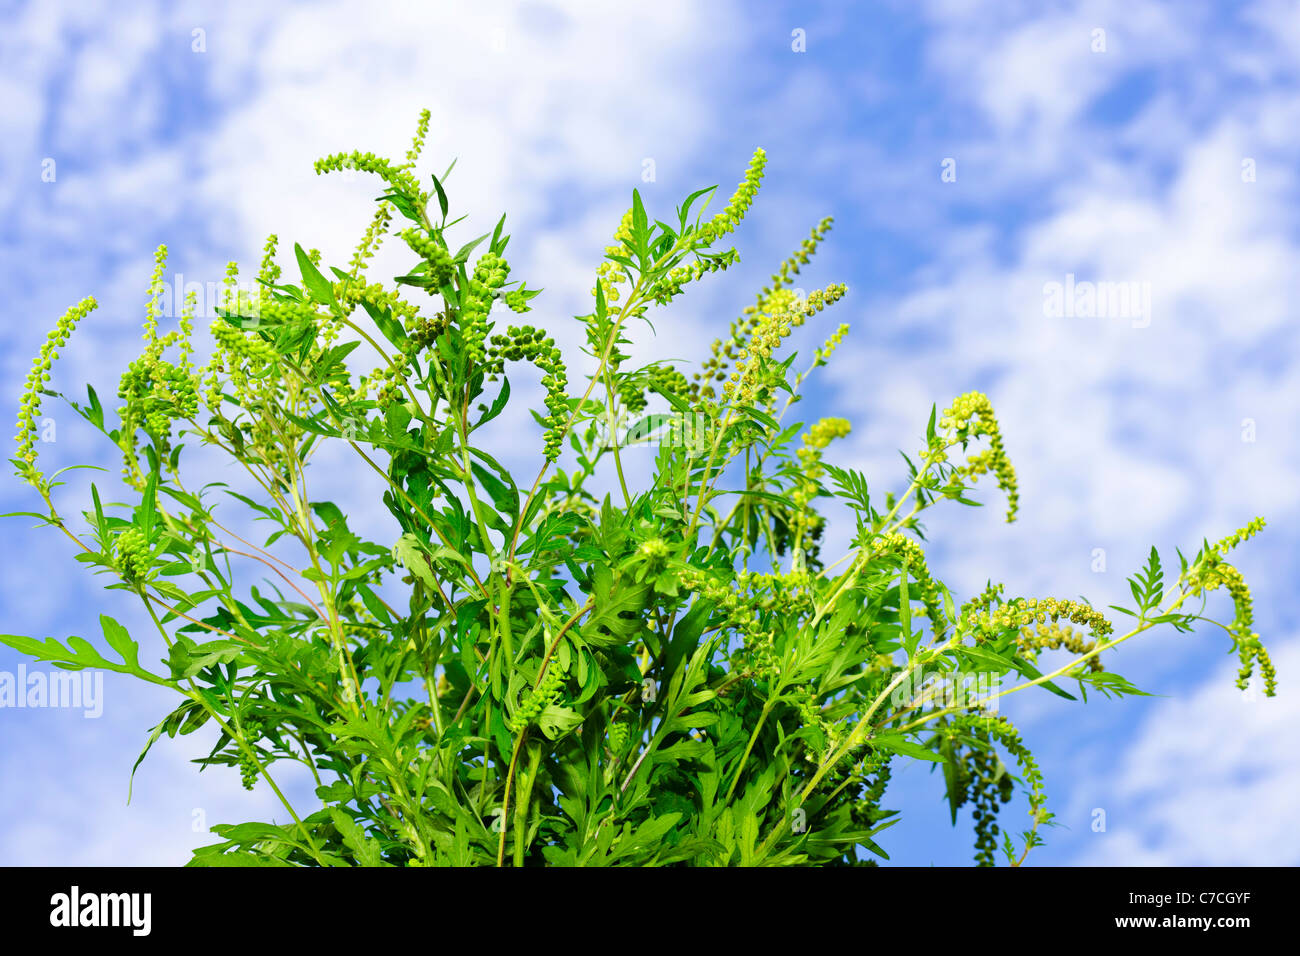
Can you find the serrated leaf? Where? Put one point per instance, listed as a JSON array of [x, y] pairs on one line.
[[411, 553], [365, 848]]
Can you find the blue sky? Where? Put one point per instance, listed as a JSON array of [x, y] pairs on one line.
[[1161, 151]]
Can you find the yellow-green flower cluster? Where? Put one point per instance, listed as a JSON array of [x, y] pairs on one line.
[[251, 347], [921, 584], [811, 715], [815, 441], [865, 812], [663, 378], [610, 275], [539, 698], [971, 415], [490, 273], [1050, 636], [670, 286], [816, 438], [380, 298], [417, 144], [390, 381], [740, 616], [785, 313], [723, 353], [156, 391], [29, 407], [242, 356], [132, 554], [248, 772], [280, 313], [525, 343], [399, 177], [1022, 613], [1238, 536], [251, 368], [824, 353], [1211, 574], [981, 601], [269, 272], [653, 549], [788, 269], [715, 366], [787, 596], [982, 779], [371, 240], [378, 228], [425, 331], [1006, 734], [730, 217], [441, 268], [791, 593], [517, 301], [987, 727]]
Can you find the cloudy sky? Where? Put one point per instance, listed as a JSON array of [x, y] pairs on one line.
[[975, 155]]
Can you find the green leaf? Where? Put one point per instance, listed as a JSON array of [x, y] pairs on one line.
[[763, 417], [94, 411], [910, 640], [411, 553], [149, 505], [366, 849], [235, 858], [312, 425], [120, 641], [316, 284], [498, 405], [389, 327], [442, 195], [613, 599], [898, 744], [187, 658], [153, 737], [556, 721], [1034, 673], [639, 225], [600, 302], [685, 211], [101, 523], [504, 499], [462, 254], [79, 653]]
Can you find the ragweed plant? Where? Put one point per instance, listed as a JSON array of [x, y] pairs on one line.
[[528, 671]]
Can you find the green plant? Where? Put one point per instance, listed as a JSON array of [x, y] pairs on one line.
[[530, 672]]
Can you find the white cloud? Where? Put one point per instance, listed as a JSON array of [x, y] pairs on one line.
[[1208, 780]]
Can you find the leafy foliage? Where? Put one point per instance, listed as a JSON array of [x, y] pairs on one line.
[[528, 671]]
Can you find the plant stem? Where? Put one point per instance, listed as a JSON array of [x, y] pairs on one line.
[[767, 709], [238, 737]]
